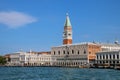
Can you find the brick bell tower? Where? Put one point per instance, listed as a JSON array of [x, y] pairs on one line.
[[67, 34]]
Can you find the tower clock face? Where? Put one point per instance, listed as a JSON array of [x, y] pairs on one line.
[[69, 34], [66, 34]]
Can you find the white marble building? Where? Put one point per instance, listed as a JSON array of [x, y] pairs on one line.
[[39, 59], [108, 57], [74, 54], [17, 58], [31, 59], [69, 55]]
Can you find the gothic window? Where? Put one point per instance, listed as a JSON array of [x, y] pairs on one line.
[[54, 52], [106, 56], [67, 52], [113, 62], [72, 51], [117, 61], [113, 56], [117, 56], [59, 52], [78, 52], [106, 61], [63, 52], [84, 52], [110, 56]]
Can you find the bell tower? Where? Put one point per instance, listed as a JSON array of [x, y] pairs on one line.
[[67, 34]]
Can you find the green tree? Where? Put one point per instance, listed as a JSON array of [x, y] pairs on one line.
[[2, 60]]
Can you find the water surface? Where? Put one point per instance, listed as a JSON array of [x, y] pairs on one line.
[[56, 73]]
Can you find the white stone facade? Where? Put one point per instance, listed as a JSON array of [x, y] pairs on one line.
[[19, 58], [30, 59], [39, 59], [14, 59], [71, 55], [108, 57]]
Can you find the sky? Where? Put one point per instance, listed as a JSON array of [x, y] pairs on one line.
[[37, 25]]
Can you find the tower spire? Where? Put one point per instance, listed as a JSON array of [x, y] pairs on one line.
[[67, 34], [67, 22]]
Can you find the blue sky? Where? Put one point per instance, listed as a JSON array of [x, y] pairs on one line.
[[38, 24]]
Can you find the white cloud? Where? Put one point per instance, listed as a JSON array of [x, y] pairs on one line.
[[15, 19]]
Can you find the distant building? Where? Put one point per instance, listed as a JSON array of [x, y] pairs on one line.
[[19, 58], [39, 59], [15, 58], [7, 57], [30, 59], [109, 46], [108, 58]]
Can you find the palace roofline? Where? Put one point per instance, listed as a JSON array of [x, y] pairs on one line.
[[91, 43]]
